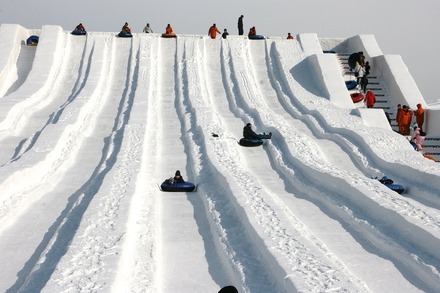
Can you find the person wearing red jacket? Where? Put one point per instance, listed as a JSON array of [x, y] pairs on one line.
[[252, 31], [420, 116], [213, 30], [370, 99]]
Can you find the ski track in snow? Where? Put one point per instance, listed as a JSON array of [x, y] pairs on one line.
[[88, 138]]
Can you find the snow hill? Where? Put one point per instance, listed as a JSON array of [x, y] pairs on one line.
[[90, 125]]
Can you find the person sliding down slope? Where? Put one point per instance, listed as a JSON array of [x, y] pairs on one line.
[[250, 134]]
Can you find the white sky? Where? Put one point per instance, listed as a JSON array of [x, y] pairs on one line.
[[405, 28]]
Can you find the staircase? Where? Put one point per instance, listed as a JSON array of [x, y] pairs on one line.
[[431, 146]]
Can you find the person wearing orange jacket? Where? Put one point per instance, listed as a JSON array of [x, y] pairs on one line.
[[370, 99], [420, 116], [168, 29], [213, 30], [405, 120]]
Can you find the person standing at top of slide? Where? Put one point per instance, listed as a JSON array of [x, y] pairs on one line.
[[240, 25]]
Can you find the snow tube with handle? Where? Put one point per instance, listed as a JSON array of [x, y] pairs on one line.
[[350, 84], [357, 97], [396, 187], [177, 186], [32, 40], [249, 142], [256, 37], [391, 185], [123, 34], [171, 35], [79, 32]]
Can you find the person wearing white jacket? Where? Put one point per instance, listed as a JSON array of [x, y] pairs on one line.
[[148, 29]]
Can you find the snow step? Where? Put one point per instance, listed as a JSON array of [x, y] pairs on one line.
[[431, 146]]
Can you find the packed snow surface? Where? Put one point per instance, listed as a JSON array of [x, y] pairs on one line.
[[91, 126]]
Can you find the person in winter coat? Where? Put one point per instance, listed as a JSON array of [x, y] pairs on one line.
[[370, 99], [168, 29], [405, 120], [252, 31], [126, 28], [240, 25], [364, 83], [289, 36], [212, 32], [398, 115], [178, 177], [418, 137], [358, 72], [250, 134], [148, 29], [80, 27], [225, 34], [367, 68], [420, 116], [355, 57]]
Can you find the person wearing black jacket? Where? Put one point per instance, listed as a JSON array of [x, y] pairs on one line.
[[240, 25], [250, 134], [355, 57]]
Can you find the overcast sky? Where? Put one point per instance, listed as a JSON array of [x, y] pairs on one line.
[[406, 28]]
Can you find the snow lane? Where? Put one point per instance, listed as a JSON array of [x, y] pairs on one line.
[[137, 263], [234, 251], [15, 108], [175, 267], [103, 206], [62, 87], [12, 52], [24, 66], [56, 147]]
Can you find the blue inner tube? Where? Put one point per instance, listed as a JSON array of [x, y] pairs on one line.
[[78, 32], [177, 186], [32, 40], [396, 187], [123, 34], [350, 84], [250, 142], [256, 37]]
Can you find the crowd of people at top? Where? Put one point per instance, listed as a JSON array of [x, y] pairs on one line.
[[212, 32]]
